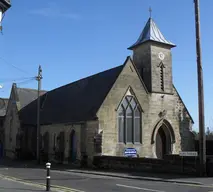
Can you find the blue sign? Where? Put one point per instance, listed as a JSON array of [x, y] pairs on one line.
[[130, 152]]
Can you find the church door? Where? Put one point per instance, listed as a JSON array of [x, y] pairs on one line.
[[161, 143], [73, 146]]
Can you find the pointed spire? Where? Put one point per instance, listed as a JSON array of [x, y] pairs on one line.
[[151, 33]]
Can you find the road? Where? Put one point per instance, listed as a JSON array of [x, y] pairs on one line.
[[94, 183], [11, 186]]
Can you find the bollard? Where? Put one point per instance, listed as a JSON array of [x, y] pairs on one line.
[[48, 176]]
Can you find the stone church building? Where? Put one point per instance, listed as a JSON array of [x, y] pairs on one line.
[[134, 105]]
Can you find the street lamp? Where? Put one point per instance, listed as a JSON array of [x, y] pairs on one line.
[[4, 6]]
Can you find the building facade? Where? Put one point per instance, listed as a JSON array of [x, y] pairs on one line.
[[19, 98], [134, 105]]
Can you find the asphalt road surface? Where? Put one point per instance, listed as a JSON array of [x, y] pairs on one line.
[[94, 183], [11, 186]]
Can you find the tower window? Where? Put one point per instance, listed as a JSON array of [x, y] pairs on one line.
[[162, 76]]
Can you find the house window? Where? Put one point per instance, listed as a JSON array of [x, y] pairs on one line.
[[129, 121]]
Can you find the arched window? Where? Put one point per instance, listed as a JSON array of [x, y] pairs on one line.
[[129, 121]]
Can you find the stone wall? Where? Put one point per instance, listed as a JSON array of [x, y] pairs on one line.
[[11, 127], [92, 129], [185, 123], [67, 129], [107, 114], [148, 63], [85, 133], [174, 165], [142, 59], [159, 104], [153, 106], [167, 69]]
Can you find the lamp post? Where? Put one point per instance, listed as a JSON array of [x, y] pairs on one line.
[[4, 6], [202, 136]]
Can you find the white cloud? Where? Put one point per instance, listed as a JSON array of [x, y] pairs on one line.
[[52, 10]]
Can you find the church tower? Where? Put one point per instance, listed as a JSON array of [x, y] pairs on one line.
[[152, 56]]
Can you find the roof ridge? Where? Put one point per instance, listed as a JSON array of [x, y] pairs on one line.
[[86, 78], [76, 101], [30, 89]]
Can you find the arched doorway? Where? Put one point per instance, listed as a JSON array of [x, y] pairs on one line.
[[163, 143], [73, 146], [163, 138]]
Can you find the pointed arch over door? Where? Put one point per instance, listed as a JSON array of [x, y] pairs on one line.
[[163, 138], [168, 126]]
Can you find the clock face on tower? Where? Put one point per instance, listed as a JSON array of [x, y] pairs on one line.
[[161, 56]]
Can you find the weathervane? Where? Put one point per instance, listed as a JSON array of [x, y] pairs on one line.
[[150, 11]]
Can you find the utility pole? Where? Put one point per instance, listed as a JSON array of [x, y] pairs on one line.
[[202, 136], [38, 78]]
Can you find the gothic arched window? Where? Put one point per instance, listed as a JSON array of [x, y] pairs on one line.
[[129, 121]]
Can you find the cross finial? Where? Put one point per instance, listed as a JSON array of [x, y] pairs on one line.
[[150, 11]]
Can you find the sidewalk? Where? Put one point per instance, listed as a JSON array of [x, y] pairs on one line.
[[160, 177], [12, 186]]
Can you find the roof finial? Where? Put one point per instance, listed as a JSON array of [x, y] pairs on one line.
[[150, 11]]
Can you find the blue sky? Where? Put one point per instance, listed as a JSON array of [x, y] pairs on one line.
[[72, 39]]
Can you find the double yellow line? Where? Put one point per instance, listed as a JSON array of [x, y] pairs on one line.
[[55, 188]]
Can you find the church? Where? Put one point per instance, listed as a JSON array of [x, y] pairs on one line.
[[134, 105]]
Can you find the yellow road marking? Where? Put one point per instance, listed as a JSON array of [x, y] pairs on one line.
[[40, 185]]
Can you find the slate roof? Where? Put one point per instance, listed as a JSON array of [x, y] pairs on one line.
[[74, 102], [26, 96], [3, 106], [151, 32]]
